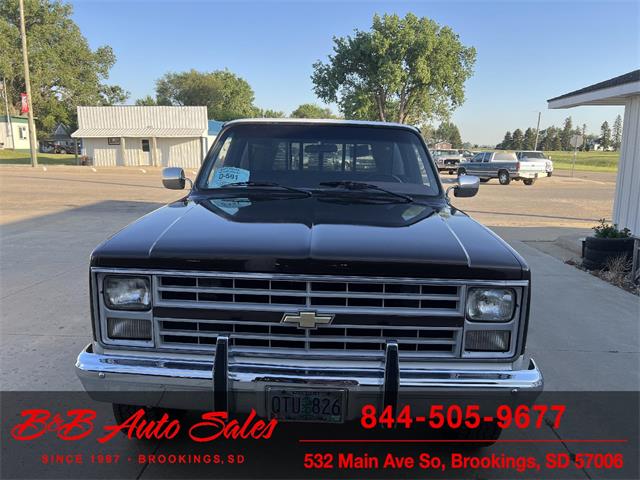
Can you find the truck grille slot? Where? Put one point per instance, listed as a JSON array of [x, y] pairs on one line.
[[439, 341], [367, 296]]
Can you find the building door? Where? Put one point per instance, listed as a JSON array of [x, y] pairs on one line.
[[145, 154]]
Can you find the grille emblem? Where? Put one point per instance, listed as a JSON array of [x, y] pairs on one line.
[[307, 320]]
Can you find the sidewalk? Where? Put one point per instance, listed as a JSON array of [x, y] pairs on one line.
[[584, 333]]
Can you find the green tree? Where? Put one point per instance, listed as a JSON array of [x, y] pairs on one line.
[[448, 132], [407, 70], [583, 132], [311, 110], [605, 135], [147, 101], [518, 140], [65, 71], [616, 135], [566, 134], [267, 113], [226, 95], [506, 142], [428, 132], [529, 139]]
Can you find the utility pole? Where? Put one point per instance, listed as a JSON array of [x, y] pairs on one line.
[[535, 145], [5, 93], [27, 82]]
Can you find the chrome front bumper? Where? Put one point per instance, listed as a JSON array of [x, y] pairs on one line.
[[237, 382]]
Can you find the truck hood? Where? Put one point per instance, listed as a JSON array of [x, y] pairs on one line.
[[313, 236]]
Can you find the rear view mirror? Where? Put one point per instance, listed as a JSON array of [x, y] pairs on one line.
[[321, 148], [467, 186], [173, 178]]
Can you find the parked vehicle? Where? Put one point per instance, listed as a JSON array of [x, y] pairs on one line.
[[466, 154], [310, 259], [535, 155], [447, 160], [59, 147], [504, 166]]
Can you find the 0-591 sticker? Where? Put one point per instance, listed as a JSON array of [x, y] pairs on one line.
[[227, 175]]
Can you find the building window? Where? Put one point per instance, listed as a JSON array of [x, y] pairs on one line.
[[23, 132], [145, 145], [113, 141]]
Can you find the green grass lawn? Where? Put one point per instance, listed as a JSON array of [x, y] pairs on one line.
[[586, 161], [23, 157]]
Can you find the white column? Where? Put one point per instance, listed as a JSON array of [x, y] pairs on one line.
[[154, 152], [626, 205], [122, 152]]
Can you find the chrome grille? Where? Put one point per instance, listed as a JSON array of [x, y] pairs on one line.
[[292, 293], [378, 299], [202, 335]]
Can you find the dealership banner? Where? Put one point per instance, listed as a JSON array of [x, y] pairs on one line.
[[24, 103], [552, 436]]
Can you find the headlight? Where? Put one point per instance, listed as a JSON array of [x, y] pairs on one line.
[[126, 293], [491, 304]]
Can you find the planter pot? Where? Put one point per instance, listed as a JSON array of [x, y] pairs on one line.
[[598, 251]]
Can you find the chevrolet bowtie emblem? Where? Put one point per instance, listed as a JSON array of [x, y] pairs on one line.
[[307, 319]]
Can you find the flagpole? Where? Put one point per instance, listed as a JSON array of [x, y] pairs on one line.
[[27, 82]]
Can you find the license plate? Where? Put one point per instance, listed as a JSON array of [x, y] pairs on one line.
[[325, 406]]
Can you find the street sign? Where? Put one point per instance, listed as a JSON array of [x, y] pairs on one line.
[[576, 141]]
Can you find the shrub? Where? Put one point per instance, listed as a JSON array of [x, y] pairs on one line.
[[607, 230]]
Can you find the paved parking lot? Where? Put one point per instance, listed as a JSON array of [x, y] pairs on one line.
[[51, 220], [561, 200], [584, 332]]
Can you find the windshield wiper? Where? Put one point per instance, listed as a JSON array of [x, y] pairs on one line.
[[350, 185], [267, 184]]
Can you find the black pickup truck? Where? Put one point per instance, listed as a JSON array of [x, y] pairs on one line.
[[309, 261]]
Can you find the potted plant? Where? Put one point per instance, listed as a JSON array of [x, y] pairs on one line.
[[606, 243]]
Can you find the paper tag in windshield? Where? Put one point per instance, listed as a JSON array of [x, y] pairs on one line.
[[227, 175]]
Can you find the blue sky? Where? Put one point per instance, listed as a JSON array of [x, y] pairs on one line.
[[527, 51]]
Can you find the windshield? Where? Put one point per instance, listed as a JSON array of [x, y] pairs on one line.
[[306, 156], [531, 155]]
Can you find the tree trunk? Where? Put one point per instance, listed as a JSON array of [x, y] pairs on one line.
[[381, 115]]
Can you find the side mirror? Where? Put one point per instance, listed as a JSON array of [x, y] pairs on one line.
[[467, 186], [173, 178]]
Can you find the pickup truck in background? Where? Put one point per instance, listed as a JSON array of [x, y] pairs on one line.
[[447, 160], [504, 166], [536, 155]]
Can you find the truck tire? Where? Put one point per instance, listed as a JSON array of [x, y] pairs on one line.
[[483, 436], [122, 412], [462, 171], [529, 181], [599, 251], [503, 177]]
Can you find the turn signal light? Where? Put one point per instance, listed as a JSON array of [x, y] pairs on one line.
[[487, 341], [129, 328]]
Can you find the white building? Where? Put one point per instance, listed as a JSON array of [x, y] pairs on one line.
[[143, 136], [14, 132], [622, 90]]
